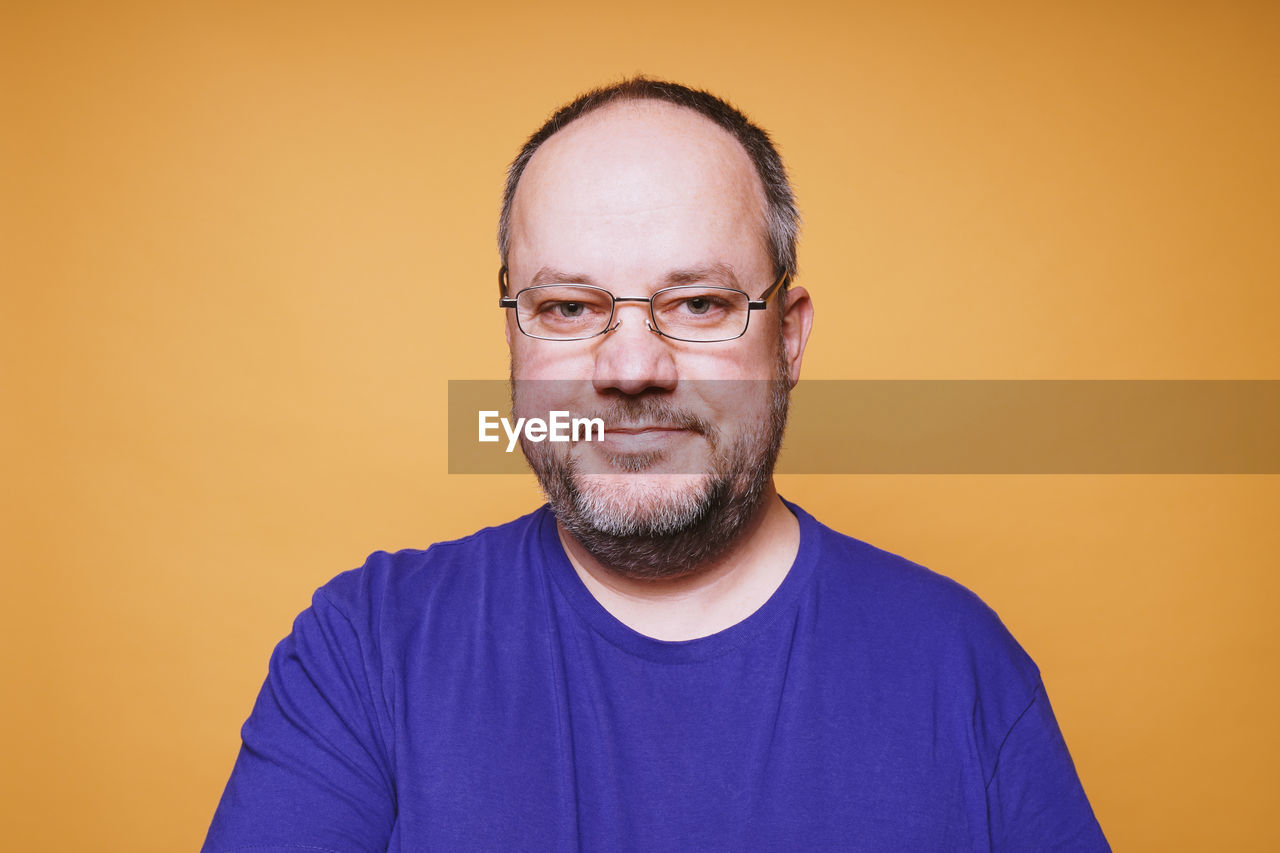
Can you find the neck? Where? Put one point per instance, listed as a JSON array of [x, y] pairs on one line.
[[715, 595]]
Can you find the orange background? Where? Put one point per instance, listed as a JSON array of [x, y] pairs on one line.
[[245, 245]]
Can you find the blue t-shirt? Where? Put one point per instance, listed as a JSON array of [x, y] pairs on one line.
[[475, 696]]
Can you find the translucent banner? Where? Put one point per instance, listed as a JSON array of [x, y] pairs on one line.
[[881, 426]]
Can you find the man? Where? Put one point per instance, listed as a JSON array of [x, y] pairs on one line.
[[668, 656]]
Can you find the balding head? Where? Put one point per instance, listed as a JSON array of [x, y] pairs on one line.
[[780, 220], [638, 189]]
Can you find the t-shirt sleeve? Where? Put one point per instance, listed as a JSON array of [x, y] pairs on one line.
[[1035, 801], [313, 770]]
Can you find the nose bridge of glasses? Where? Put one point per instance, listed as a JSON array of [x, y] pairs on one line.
[[646, 304]]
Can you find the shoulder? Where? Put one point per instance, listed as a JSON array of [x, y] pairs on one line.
[[923, 635], [398, 589], [916, 611], [890, 584]]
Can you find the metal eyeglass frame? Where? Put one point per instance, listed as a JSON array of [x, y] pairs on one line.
[[505, 301]]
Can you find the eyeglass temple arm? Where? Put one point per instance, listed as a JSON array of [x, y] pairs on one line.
[[758, 304]]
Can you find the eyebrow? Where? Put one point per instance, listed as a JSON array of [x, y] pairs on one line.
[[719, 273]]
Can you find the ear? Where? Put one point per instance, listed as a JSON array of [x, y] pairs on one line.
[[507, 315], [797, 322]]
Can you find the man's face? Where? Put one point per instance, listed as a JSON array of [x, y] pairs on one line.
[[634, 198]]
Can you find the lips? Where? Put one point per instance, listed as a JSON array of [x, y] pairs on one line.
[[633, 430], [640, 438]]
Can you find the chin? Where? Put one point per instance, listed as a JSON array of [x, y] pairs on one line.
[[645, 504]]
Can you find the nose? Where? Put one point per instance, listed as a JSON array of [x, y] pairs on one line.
[[633, 359]]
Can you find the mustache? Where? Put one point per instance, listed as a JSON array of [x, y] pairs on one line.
[[642, 411]]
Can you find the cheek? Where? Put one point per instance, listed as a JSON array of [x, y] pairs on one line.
[[754, 357], [732, 404], [544, 360]]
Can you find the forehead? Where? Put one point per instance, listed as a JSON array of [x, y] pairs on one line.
[[636, 185]]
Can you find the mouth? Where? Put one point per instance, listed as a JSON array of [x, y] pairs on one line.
[[636, 429], [637, 438]]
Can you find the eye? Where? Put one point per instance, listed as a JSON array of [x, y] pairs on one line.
[[569, 309], [701, 305]]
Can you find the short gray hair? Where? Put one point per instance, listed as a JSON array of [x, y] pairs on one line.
[[782, 219]]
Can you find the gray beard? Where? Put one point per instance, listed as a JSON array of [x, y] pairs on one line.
[[687, 528]]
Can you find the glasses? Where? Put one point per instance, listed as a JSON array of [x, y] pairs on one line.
[[702, 313]]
